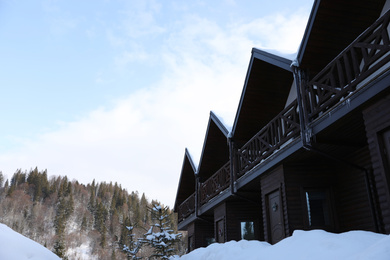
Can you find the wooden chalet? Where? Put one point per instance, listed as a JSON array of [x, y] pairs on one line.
[[310, 144]]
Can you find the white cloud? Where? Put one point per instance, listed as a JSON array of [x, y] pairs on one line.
[[139, 140], [278, 31], [135, 55], [140, 19]]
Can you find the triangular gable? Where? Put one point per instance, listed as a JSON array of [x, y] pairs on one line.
[[215, 152], [186, 185], [332, 26], [266, 88]]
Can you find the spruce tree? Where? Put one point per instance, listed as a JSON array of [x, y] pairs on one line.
[[161, 236], [130, 246], [59, 249], [1, 179], [84, 223]]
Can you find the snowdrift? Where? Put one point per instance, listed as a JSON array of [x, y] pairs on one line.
[[16, 246], [302, 245]]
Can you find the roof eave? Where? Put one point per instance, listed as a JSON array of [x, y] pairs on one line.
[[222, 128], [309, 27], [266, 57], [187, 156]]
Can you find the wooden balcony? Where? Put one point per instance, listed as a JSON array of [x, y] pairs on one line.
[[360, 62], [215, 184], [283, 128], [187, 207], [273, 136]]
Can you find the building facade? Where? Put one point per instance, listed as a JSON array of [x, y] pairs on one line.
[[310, 143]]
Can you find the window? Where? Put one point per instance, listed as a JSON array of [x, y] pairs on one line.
[[248, 230], [209, 241], [318, 210]]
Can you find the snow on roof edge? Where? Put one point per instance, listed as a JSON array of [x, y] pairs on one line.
[[286, 55]]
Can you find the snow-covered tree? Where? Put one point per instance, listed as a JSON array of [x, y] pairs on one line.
[[161, 236], [129, 244]]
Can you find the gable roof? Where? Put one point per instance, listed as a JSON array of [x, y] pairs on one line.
[[266, 88], [187, 180], [332, 26], [215, 152]]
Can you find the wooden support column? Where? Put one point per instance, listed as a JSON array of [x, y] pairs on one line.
[[233, 164], [197, 194]]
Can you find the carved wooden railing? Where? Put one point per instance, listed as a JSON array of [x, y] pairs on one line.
[[215, 184], [186, 208], [363, 57], [277, 132]]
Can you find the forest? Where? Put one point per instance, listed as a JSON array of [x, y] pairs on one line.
[[78, 221]]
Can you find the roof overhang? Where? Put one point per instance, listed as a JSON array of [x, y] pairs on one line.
[[215, 152], [187, 180], [331, 27], [266, 88]]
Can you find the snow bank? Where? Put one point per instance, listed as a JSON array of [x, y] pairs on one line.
[[16, 246], [302, 245]]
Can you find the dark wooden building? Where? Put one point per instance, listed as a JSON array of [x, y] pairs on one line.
[[310, 144]]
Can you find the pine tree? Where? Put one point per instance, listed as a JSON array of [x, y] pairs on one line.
[[1, 179], [84, 223], [143, 209], [128, 243], [60, 217], [91, 203], [59, 249], [160, 235]]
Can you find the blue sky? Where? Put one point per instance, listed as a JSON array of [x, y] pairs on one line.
[[115, 90]]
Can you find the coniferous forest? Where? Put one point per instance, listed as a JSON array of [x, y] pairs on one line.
[[78, 221]]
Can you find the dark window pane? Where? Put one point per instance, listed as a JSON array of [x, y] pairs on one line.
[[317, 208]]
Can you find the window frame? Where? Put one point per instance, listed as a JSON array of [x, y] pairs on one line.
[[328, 214]]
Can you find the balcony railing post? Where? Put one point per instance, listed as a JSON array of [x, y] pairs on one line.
[[301, 85], [197, 193], [233, 164]]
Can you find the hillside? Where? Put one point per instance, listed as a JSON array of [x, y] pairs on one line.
[[74, 220]]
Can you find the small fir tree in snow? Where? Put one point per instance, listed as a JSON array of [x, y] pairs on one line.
[[131, 246], [160, 236]]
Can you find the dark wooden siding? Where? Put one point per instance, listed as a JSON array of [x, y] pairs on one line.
[[201, 231], [269, 183], [310, 174], [346, 186], [377, 119], [351, 194], [233, 212], [237, 211]]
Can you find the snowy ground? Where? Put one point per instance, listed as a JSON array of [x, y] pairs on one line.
[[302, 245], [16, 246]]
